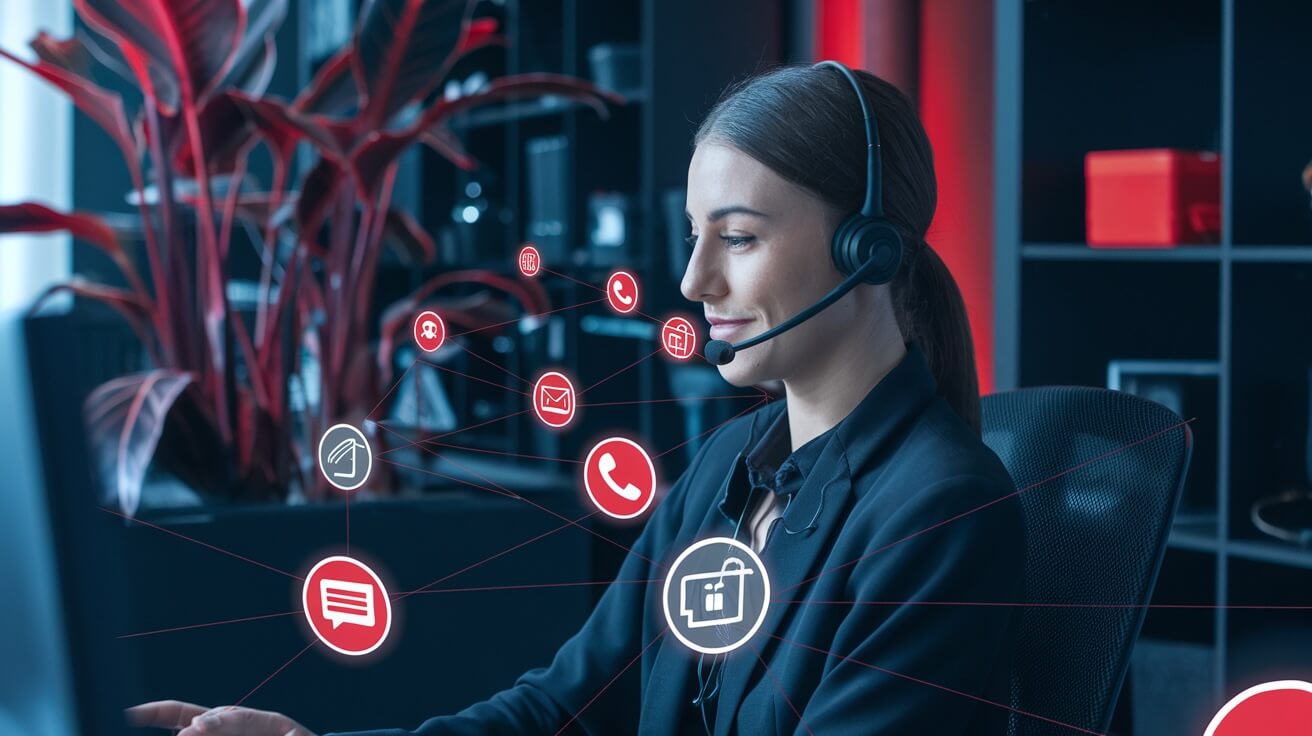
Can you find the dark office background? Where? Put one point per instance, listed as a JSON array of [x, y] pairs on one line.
[[1013, 93]]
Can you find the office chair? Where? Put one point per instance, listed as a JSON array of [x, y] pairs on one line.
[[1101, 474]]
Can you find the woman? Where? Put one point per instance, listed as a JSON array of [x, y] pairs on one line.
[[867, 493]]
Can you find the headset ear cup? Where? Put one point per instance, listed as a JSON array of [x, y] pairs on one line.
[[881, 241], [860, 238], [847, 251]]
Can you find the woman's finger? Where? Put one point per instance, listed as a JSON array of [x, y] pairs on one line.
[[234, 721], [164, 714]]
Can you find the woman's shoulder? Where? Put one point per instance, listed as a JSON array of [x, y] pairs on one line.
[[940, 468]]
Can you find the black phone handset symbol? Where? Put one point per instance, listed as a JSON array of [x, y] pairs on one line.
[[607, 466]]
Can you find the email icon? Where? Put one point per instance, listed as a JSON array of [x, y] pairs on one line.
[[556, 399], [553, 399]]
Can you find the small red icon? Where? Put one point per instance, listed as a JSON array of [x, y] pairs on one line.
[[553, 399], [619, 477], [530, 261], [346, 605], [1280, 708], [430, 331], [622, 292], [678, 338]]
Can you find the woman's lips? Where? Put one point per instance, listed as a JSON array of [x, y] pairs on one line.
[[722, 330]]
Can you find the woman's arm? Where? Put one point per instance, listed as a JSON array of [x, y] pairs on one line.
[[893, 669]]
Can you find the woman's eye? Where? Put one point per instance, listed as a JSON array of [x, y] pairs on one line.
[[734, 242]]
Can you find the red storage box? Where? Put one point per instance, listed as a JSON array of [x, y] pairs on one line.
[[1152, 197]]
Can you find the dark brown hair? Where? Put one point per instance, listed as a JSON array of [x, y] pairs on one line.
[[805, 123]]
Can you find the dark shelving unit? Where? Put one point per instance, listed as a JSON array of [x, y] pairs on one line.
[[1215, 75]]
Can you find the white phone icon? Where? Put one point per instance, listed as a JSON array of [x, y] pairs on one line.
[[607, 465], [617, 287]]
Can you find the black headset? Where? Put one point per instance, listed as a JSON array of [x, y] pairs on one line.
[[866, 236], [866, 247]]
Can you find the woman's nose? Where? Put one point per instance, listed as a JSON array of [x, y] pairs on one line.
[[701, 279]]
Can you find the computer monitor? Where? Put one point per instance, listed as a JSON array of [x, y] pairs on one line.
[[65, 672]]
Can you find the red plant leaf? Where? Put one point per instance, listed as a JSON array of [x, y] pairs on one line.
[[318, 189], [70, 54], [410, 241], [257, 55], [193, 40], [479, 32], [30, 217], [380, 149], [402, 48], [442, 140], [227, 134], [125, 418], [105, 108], [134, 310], [333, 90], [283, 126]]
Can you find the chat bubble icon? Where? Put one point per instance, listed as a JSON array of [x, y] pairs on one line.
[[347, 602]]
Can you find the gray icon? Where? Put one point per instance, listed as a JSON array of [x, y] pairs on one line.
[[344, 457], [716, 595]]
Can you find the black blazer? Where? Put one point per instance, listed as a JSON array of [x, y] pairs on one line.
[[906, 519]]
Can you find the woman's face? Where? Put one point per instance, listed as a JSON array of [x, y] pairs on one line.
[[761, 256]]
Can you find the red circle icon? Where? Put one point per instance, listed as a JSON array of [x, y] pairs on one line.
[[430, 331], [622, 292], [346, 605], [619, 477], [553, 399], [1280, 708], [530, 261], [678, 338]]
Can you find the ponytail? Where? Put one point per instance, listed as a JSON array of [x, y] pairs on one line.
[[931, 312]]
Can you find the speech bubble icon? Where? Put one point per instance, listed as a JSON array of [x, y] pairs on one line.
[[347, 602]]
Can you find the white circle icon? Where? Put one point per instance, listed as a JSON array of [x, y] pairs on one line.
[[346, 605], [553, 399], [716, 595], [344, 457], [530, 261], [430, 331], [622, 292]]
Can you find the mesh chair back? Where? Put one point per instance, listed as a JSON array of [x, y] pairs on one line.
[[1101, 474]]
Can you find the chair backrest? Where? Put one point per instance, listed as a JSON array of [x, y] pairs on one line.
[[1100, 474]]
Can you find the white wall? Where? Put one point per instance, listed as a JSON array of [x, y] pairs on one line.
[[35, 151]]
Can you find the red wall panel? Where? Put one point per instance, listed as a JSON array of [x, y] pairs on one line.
[[954, 86]]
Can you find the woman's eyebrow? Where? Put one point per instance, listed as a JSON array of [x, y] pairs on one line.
[[731, 209]]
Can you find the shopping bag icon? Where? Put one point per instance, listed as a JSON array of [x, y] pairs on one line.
[[678, 338], [717, 601]]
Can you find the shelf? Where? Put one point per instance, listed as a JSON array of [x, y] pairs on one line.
[[1199, 535], [516, 111], [1273, 551], [1081, 252], [1194, 534], [1192, 253], [1272, 253]]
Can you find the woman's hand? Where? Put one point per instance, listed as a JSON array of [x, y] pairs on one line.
[[228, 720]]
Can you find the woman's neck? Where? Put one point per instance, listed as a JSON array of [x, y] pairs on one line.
[[820, 399]]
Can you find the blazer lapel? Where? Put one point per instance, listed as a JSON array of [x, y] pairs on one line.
[[666, 696], [814, 516]]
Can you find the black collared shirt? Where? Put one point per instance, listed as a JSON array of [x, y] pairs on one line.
[[772, 467]]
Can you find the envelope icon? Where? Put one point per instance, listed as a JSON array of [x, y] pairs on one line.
[[555, 399]]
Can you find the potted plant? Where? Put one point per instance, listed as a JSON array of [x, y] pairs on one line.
[[219, 389]]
